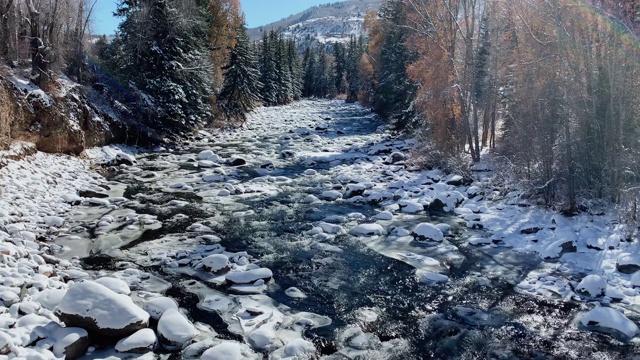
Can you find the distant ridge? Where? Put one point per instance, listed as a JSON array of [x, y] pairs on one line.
[[329, 23]]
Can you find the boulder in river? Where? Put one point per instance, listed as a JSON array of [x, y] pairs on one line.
[[140, 342], [174, 330], [100, 310], [427, 232]]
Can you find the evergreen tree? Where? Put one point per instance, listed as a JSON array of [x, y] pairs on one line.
[[165, 59], [340, 55], [285, 92], [354, 53], [268, 72], [309, 66], [241, 88], [294, 69]]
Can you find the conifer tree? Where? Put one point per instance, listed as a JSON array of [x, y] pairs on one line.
[[241, 88], [294, 69], [268, 72]]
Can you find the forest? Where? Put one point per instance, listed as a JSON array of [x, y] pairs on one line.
[[552, 87]]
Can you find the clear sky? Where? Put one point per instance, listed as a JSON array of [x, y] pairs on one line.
[[258, 12]]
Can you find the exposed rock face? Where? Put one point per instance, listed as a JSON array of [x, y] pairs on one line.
[[67, 119]]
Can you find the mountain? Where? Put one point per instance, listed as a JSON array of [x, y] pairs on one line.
[[325, 24]]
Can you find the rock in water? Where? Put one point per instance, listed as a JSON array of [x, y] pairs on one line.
[[427, 232], [592, 285], [100, 310], [157, 306], [608, 319], [229, 350], [141, 342], [174, 330]]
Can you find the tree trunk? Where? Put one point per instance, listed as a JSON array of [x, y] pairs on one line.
[[39, 59]]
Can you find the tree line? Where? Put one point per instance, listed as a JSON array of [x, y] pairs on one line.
[[551, 86]]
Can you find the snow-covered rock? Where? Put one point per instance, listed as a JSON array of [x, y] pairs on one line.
[[249, 276], [116, 285], [592, 285], [330, 195], [158, 305], [427, 232], [70, 343], [98, 309], [142, 341], [229, 350], [368, 230], [174, 330], [608, 319], [216, 263]]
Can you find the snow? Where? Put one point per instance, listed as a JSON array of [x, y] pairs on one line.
[[229, 350], [610, 319], [158, 305], [216, 262], [249, 276]]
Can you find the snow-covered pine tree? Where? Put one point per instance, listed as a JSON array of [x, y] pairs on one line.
[[165, 58], [268, 72], [285, 93], [295, 69], [241, 90], [309, 76]]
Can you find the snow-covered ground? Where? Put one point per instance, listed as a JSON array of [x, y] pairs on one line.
[[304, 234]]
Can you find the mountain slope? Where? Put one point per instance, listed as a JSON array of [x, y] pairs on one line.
[[328, 23]]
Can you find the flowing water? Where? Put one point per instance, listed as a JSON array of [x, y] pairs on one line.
[[363, 293]]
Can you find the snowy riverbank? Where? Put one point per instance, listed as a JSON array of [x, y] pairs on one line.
[[255, 234]]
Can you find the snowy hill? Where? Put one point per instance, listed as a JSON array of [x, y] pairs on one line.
[[328, 23]]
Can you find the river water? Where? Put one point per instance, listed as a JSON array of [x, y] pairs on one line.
[[359, 296]]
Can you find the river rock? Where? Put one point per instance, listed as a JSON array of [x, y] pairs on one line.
[[368, 230], [628, 263], [249, 276], [140, 342], [592, 285], [158, 305], [608, 320], [427, 232], [70, 342], [116, 285], [229, 350], [174, 330], [216, 263], [100, 310], [237, 161], [395, 158]]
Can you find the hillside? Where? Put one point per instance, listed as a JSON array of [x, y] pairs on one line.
[[328, 23]]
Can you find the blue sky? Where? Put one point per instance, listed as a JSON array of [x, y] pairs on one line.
[[258, 12]]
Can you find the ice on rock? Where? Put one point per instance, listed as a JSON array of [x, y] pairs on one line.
[[331, 228], [296, 293], [98, 309], [368, 230], [432, 277], [142, 341], [592, 285], [299, 349], [216, 262], [117, 285], [158, 305], [427, 232], [264, 338], [609, 319], [229, 350], [174, 330]]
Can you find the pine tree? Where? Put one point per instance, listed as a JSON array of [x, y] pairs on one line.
[[165, 59], [268, 72], [294, 69], [241, 88], [354, 53], [310, 79], [285, 93], [340, 54]]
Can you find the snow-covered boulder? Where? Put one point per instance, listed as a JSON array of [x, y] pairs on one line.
[[558, 248], [6, 342], [70, 342], [216, 263], [249, 276], [635, 279], [229, 350], [433, 277], [158, 305], [98, 309], [368, 230], [628, 263], [354, 190], [608, 320], [330, 195], [395, 158], [236, 161], [427, 232], [410, 207], [384, 215], [592, 285], [174, 330], [208, 155], [140, 342]]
